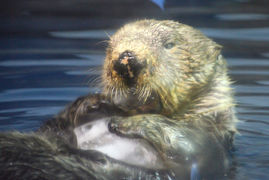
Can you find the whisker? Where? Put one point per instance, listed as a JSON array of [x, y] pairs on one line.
[[109, 37]]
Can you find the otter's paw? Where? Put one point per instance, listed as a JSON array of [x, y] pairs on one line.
[[125, 126], [153, 128]]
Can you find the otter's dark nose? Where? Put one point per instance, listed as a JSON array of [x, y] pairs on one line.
[[128, 67]]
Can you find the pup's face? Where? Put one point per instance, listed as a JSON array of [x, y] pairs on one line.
[[149, 61]]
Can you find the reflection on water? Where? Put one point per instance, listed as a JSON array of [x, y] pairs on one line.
[[50, 62], [100, 34], [256, 34], [38, 81], [242, 17], [40, 94]]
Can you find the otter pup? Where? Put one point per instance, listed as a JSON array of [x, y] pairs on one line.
[[165, 86]]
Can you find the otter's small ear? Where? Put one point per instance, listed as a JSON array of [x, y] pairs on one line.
[[215, 52]]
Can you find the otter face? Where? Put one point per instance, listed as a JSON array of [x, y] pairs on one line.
[[156, 62]]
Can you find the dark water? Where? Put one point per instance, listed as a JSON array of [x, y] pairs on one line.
[[47, 62]]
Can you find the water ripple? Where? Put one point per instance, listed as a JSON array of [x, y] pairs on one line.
[[242, 17], [251, 34], [86, 34], [51, 62], [39, 94]]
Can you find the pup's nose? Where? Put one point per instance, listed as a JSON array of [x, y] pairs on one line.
[[128, 67]]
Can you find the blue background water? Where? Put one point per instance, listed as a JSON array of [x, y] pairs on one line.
[[49, 58]]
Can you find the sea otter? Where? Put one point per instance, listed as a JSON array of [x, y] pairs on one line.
[[165, 92]]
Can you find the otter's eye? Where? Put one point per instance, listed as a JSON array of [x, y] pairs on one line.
[[169, 45]]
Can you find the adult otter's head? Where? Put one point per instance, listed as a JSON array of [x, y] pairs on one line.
[[158, 62]]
